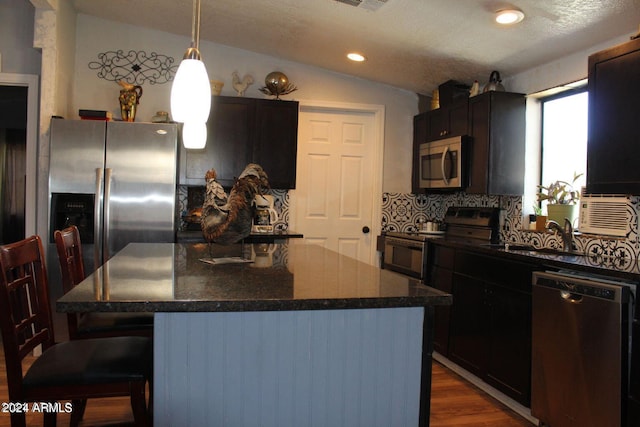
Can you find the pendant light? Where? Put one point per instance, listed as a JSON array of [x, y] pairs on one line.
[[191, 91]]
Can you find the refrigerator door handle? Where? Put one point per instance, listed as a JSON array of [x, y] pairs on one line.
[[107, 197], [97, 218]]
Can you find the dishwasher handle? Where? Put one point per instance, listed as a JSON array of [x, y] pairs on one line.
[[571, 297], [579, 286]]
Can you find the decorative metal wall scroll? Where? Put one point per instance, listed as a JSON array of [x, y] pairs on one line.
[[135, 67]]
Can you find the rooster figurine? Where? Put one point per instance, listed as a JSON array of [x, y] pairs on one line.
[[241, 85], [228, 219]]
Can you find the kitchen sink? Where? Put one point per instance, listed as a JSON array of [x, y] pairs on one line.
[[532, 249], [552, 251]]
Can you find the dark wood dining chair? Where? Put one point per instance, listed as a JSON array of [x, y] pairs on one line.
[[93, 325], [73, 370]]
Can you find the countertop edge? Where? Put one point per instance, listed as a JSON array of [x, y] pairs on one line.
[[258, 305]]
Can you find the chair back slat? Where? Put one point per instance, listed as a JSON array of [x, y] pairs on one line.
[[69, 251], [25, 314]]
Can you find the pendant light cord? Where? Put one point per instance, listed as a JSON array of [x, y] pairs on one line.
[[195, 25], [194, 51]]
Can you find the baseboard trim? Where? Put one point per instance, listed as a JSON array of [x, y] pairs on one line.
[[518, 408]]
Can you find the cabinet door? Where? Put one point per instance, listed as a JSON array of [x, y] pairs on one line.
[[276, 142], [497, 126], [437, 124], [419, 137], [509, 342], [614, 113], [458, 118], [479, 107], [229, 142], [634, 380], [446, 122], [467, 337], [442, 279]]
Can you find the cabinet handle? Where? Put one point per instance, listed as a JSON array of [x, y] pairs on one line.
[[442, 164], [97, 219]]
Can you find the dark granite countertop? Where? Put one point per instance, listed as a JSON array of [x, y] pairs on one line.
[[195, 236], [170, 277], [622, 268]]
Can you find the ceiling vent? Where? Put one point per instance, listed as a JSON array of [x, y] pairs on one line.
[[365, 4]]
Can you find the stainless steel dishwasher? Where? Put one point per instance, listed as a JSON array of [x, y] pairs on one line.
[[580, 345]]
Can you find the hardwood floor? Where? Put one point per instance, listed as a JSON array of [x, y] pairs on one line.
[[454, 402]]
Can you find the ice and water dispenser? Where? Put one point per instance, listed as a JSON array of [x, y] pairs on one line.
[[73, 209]]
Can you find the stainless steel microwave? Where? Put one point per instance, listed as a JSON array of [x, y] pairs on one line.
[[443, 163]]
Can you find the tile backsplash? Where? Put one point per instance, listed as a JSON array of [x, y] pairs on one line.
[[192, 197], [404, 212]]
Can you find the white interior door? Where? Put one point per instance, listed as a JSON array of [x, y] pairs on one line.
[[338, 182]]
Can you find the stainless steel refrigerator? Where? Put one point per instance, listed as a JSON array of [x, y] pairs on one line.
[[116, 181]]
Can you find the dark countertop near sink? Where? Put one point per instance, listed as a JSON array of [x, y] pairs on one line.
[[169, 277], [622, 268]]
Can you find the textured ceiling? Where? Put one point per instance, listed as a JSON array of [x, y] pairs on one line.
[[411, 44]]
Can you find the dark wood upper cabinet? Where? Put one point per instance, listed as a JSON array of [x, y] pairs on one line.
[[445, 122], [275, 144], [497, 126], [614, 120], [419, 136], [230, 131], [246, 130], [496, 123]]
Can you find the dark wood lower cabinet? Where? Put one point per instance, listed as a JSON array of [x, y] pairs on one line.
[[442, 279], [490, 326], [467, 345], [509, 342], [634, 382]]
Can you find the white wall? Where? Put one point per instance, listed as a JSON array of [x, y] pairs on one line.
[[95, 36], [568, 69], [16, 38]]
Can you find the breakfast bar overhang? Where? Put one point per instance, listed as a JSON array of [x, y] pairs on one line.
[[298, 336]]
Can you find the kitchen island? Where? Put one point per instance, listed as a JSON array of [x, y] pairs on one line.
[[298, 336]]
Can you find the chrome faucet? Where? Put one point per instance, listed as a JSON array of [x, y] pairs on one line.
[[566, 233]]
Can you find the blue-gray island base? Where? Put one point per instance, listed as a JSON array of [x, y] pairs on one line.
[[303, 337]]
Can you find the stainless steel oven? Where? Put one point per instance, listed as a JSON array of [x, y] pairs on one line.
[[405, 253]]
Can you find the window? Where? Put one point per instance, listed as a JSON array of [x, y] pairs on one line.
[[564, 137]]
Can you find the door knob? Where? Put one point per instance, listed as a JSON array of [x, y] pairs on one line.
[[365, 229]]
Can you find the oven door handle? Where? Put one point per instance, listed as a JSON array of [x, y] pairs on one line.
[[442, 164], [396, 243]]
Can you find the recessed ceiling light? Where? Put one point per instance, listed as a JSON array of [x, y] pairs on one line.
[[509, 16], [356, 57]]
